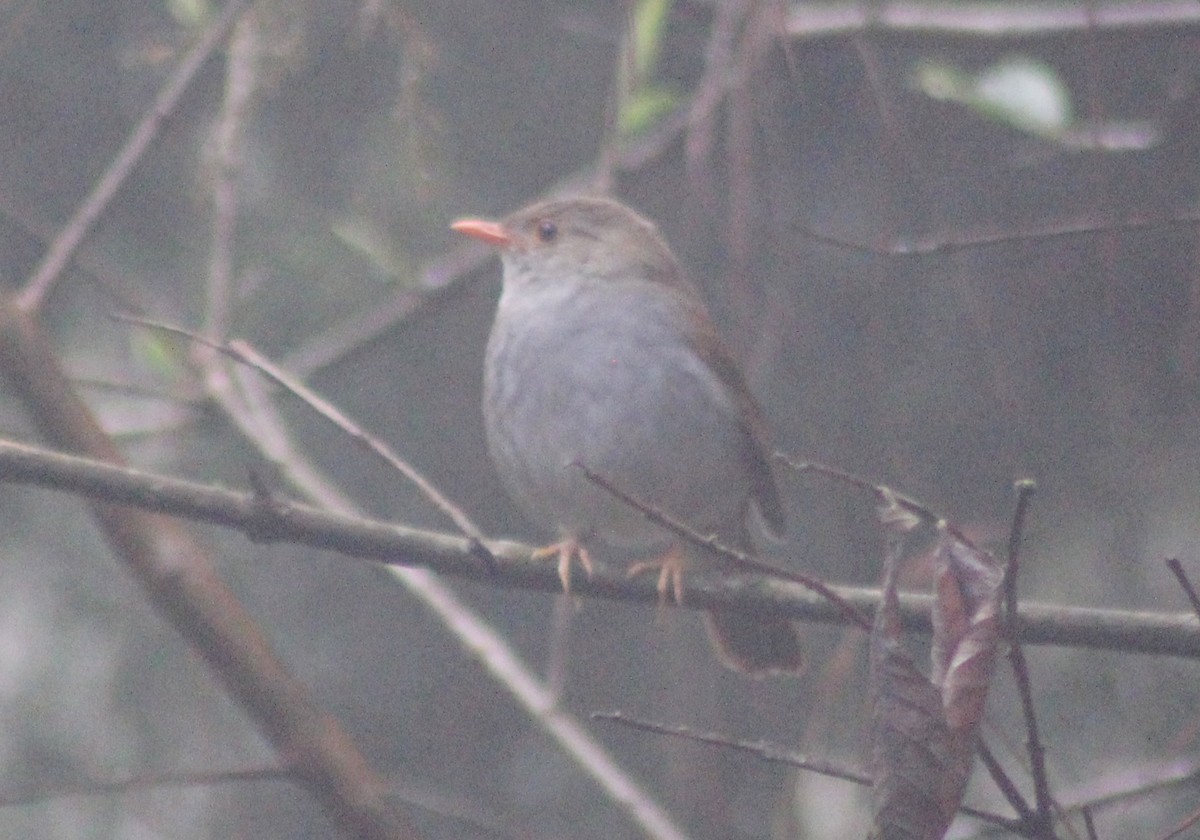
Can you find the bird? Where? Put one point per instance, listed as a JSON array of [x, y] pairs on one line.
[[603, 355]]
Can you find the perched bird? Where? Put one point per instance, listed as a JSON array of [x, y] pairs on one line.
[[603, 354]]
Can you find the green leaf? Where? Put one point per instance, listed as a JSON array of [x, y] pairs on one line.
[[190, 13], [649, 24], [158, 353], [1018, 90], [643, 108]]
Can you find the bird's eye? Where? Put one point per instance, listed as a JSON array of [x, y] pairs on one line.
[[547, 231]]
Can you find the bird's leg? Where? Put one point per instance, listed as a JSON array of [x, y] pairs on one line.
[[564, 551], [670, 572]]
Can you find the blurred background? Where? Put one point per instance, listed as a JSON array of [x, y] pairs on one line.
[[947, 257]]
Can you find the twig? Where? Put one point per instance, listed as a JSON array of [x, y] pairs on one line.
[[73, 233], [97, 787], [624, 81], [908, 503], [940, 244], [1128, 783], [737, 558], [1089, 825], [1025, 489], [1188, 821], [761, 749], [744, 192], [1044, 802], [901, 160], [1025, 814], [705, 103], [435, 804], [1184, 582], [94, 265], [246, 354], [228, 135], [774, 754]]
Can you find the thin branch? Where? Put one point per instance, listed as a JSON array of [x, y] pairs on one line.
[[775, 754], [1000, 20], [738, 558], [1173, 634], [941, 244], [898, 148], [336, 340], [1188, 821], [1184, 583], [1025, 814], [98, 787], [1044, 801], [754, 43], [94, 265], [245, 353], [228, 136], [760, 749], [909, 504], [427, 800], [710, 93], [624, 80], [73, 233], [1124, 784], [1089, 824]]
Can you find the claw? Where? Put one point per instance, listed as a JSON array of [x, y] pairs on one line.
[[564, 551], [670, 573]]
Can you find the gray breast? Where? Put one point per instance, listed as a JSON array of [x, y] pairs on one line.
[[590, 385]]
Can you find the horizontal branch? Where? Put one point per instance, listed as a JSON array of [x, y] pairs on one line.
[[266, 518], [987, 19]]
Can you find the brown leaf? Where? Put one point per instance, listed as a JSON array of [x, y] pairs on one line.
[[917, 774], [966, 632], [923, 731]]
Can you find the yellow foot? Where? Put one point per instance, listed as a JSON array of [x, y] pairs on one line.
[[564, 551], [670, 573]]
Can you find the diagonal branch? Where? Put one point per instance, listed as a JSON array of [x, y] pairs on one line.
[[775, 754], [245, 353], [73, 233], [181, 581]]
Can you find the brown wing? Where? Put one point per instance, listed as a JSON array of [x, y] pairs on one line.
[[716, 355]]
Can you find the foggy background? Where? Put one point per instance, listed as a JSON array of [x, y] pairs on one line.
[[888, 265]]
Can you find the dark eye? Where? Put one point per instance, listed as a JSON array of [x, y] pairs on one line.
[[547, 231]]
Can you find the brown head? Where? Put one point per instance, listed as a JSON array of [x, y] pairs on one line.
[[595, 237]]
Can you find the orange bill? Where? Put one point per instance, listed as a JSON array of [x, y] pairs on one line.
[[492, 233]]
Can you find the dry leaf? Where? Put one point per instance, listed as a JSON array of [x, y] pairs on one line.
[[966, 631], [923, 731]]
